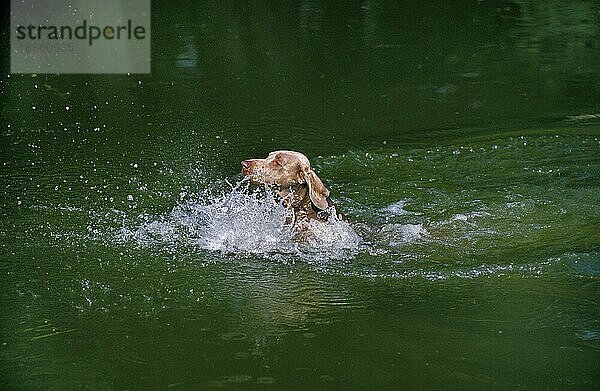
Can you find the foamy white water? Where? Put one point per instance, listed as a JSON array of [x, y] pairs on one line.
[[243, 221]]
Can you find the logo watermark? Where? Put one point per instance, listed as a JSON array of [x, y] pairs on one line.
[[80, 36]]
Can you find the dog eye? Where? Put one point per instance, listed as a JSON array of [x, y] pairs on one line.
[[277, 163]]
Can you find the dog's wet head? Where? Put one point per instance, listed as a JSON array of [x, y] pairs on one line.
[[286, 171]]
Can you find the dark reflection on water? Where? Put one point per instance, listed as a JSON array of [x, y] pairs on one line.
[[377, 70], [462, 140]]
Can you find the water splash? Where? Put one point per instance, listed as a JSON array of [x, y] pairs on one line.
[[243, 221], [397, 234], [397, 209]]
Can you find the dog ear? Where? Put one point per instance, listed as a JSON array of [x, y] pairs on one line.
[[317, 191]]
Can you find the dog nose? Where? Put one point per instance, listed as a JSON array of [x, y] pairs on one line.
[[247, 166]]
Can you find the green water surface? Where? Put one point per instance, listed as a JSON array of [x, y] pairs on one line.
[[461, 139]]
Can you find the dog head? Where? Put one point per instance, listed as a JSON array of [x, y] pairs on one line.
[[287, 170]]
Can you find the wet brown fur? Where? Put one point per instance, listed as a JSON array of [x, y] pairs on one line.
[[294, 180]]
